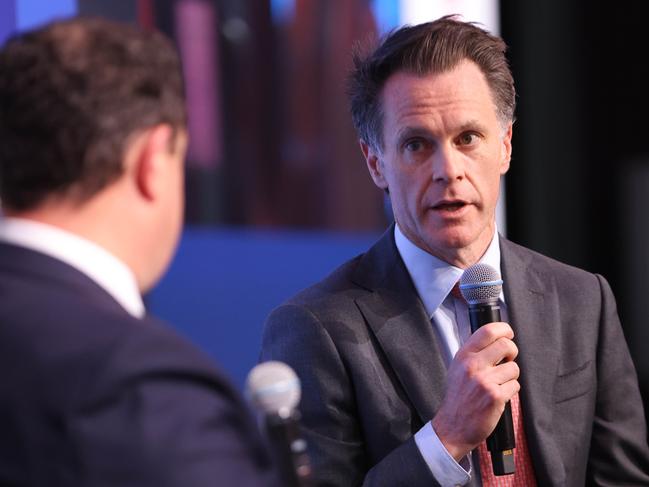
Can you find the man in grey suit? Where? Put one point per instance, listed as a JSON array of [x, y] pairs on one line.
[[95, 391], [396, 389]]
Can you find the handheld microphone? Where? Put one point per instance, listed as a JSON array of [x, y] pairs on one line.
[[481, 286], [274, 389]]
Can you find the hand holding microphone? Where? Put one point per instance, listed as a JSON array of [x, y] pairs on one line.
[[481, 378], [481, 287], [274, 389]]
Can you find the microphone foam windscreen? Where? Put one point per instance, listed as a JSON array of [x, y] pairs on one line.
[[273, 387], [480, 284]]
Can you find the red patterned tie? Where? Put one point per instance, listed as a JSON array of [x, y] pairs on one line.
[[456, 291], [524, 475]]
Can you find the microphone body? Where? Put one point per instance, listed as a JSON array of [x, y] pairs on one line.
[[500, 442], [481, 289], [289, 449], [274, 389]]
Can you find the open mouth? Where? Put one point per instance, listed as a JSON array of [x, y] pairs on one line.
[[450, 206]]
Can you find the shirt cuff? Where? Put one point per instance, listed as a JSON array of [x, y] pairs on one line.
[[442, 465]]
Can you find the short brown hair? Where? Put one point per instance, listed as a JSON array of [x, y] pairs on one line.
[[71, 95], [432, 47]]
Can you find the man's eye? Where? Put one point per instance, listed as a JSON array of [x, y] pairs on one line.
[[468, 138], [414, 145]]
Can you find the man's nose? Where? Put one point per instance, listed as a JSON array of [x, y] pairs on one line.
[[448, 164]]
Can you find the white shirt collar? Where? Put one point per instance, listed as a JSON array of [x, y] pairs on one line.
[[433, 278], [113, 275]]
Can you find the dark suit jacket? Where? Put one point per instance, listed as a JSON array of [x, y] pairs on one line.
[[90, 396], [372, 372]]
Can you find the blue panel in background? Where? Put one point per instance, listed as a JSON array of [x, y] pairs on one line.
[[32, 13], [7, 19], [224, 282], [387, 15], [282, 11]]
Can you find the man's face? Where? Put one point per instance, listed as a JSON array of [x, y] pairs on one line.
[[444, 152]]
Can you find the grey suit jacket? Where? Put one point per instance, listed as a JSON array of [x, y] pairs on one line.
[[372, 372]]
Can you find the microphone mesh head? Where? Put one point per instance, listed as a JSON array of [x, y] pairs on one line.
[[480, 284], [273, 387]]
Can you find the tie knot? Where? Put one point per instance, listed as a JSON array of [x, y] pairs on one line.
[[456, 291]]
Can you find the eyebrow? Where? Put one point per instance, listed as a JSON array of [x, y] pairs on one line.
[[407, 132], [473, 125], [420, 131]]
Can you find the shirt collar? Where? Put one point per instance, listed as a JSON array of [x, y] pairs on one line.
[[433, 278], [109, 272]]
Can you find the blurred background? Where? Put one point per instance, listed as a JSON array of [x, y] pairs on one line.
[[277, 191]]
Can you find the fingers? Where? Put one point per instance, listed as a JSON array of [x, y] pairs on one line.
[[493, 344], [473, 405], [504, 373], [488, 334], [492, 367], [481, 379], [497, 383], [509, 389], [502, 350]]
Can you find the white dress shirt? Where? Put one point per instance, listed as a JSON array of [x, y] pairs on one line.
[[109, 272], [434, 279]]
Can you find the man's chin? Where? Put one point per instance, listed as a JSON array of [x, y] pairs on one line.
[[452, 239], [460, 240]]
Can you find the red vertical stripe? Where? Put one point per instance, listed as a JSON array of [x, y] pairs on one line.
[[196, 27], [145, 14]]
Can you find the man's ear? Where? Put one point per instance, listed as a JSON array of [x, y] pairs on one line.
[[151, 161], [374, 165], [506, 150]]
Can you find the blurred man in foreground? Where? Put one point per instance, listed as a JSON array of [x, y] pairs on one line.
[[94, 391], [396, 389]]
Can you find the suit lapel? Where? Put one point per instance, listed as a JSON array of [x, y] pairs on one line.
[[398, 320], [534, 315]]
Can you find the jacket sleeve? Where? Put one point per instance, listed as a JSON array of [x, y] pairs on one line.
[[619, 454], [330, 422]]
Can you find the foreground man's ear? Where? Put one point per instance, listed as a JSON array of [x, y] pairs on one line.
[[149, 159]]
